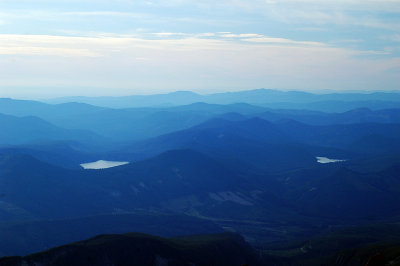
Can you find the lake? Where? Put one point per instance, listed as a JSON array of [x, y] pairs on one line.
[[327, 160], [102, 164]]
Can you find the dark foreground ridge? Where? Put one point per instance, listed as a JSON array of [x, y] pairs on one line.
[[141, 249], [355, 246]]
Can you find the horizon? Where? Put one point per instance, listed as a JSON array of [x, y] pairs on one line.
[[317, 92]]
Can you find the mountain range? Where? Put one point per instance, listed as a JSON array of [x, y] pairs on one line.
[[229, 163]]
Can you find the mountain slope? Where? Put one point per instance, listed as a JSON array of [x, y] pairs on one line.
[[179, 181], [21, 130], [345, 246], [339, 192], [287, 144], [139, 249], [57, 192], [23, 238], [67, 154], [359, 115]]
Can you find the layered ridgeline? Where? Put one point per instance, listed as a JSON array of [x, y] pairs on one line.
[[141, 123], [359, 131], [272, 98], [271, 175]]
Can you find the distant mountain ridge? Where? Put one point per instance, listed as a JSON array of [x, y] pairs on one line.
[[261, 97], [120, 125]]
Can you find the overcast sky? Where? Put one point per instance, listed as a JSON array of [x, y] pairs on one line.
[[52, 48]]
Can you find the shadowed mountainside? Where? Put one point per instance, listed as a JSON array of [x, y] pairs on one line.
[[139, 249], [24, 130], [378, 244], [22, 238]]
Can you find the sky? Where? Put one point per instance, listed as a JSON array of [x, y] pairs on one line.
[[123, 47]]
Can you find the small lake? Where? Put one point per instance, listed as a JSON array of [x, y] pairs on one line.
[[101, 164], [327, 160]]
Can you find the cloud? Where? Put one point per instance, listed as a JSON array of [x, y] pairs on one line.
[[394, 37], [103, 14], [168, 34], [187, 62], [101, 44], [205, 34], [287, 5], [342, 15], [264, 39], [59, 15], [39, 45], [243, 35], [365, 13], [259, 38], [31, 50]]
